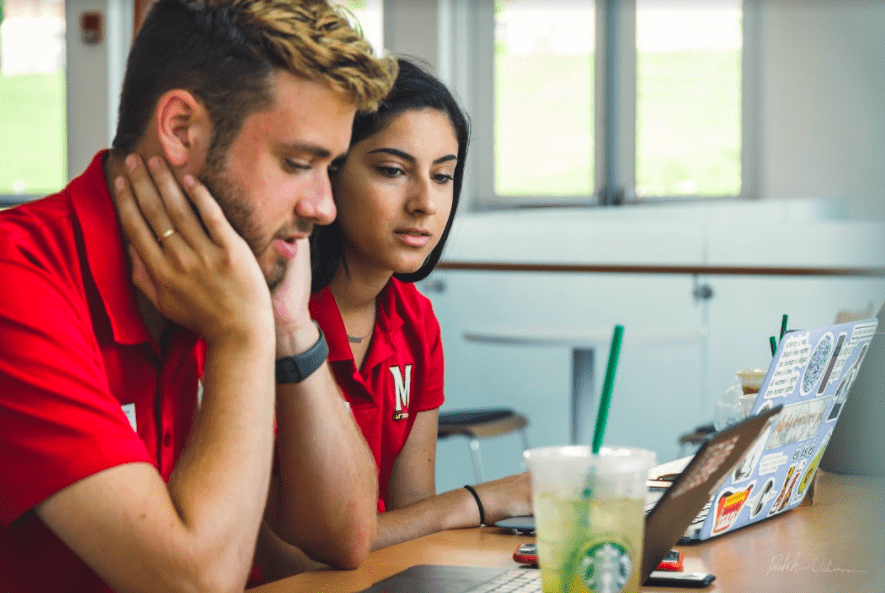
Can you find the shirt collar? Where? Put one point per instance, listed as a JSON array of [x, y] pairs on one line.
[[324, 310], [391, 298], [105, 252]]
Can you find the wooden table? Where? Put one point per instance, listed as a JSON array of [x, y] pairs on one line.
[[836, 545]]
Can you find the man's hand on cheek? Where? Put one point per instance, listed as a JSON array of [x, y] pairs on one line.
[[294, 328], [187, 259]]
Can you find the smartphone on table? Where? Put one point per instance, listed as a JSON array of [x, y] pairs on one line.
[[667, 574]]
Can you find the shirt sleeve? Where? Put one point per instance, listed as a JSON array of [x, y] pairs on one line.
[[433, 392], [59, 422]]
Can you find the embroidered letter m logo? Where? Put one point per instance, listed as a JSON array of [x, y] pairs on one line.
[[402, 386]]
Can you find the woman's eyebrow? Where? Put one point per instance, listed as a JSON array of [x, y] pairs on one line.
[[410, 158], [394, 152]]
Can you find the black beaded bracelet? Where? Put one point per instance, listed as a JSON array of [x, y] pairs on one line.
[[482, 512]]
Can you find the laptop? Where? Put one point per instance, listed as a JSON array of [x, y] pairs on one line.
[[664, 525], [810, 375]]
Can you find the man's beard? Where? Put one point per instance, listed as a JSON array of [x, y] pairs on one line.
[[240, 213]]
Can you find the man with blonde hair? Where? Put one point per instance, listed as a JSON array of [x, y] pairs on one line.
[[154, 343]]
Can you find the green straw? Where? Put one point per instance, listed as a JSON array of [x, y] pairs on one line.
[[773, 341], [605, 399], [783, 326], [570, 566]]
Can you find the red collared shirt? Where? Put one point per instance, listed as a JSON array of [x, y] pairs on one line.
[[401, 375], [83, 386]]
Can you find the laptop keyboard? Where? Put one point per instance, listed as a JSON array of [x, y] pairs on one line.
[[520, 580], [655, 495], [703, 513]]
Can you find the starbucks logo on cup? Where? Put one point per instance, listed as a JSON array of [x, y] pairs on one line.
[[606, 567]]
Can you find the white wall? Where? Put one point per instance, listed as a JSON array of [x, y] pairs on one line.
[[661, 391], [823, 102], [95, 76]]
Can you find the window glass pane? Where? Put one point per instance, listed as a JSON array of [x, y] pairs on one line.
[[369, 14], [688, 104], [544, 71], [32, 97]]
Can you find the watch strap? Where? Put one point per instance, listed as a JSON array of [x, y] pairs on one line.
[[297, 368]]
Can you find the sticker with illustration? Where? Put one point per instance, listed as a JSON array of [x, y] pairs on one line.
[[728, 506]]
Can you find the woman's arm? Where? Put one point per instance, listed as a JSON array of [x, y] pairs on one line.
[[414, 509]]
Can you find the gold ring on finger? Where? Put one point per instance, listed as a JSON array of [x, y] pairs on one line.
[[166, 234]]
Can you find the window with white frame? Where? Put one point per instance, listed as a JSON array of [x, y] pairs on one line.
[[616, 101], [688, 98], [32, 98], [544, 97]]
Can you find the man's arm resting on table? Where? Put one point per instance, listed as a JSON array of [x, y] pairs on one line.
[[415, 508], [327, 497], [197, 533]]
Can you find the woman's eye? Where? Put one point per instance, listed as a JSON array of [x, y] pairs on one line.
[[443, 178], [391, 171]]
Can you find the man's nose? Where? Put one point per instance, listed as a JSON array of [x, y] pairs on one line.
[[317, 203]]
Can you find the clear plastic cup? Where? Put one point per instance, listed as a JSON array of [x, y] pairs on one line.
[[737, 402], [589, 516], [751, 382]]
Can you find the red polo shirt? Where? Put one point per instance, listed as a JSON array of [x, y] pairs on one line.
[[83, 387], [401, 375]]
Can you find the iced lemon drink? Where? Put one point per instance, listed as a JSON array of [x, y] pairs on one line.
[[589, 517], [589, 545]]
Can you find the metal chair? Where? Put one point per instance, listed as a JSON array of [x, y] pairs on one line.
[[481, 423]]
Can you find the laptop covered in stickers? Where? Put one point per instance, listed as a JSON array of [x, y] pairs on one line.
[[808, 381], [810, 375]]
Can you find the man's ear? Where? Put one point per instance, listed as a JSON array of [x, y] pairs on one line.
[[183, 129]]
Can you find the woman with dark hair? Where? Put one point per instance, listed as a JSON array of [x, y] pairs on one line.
[[417, 91], [396, 194]]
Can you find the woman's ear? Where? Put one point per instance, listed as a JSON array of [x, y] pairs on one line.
[[183, 129]]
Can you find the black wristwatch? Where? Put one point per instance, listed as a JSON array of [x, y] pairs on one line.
[[295, 369]]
